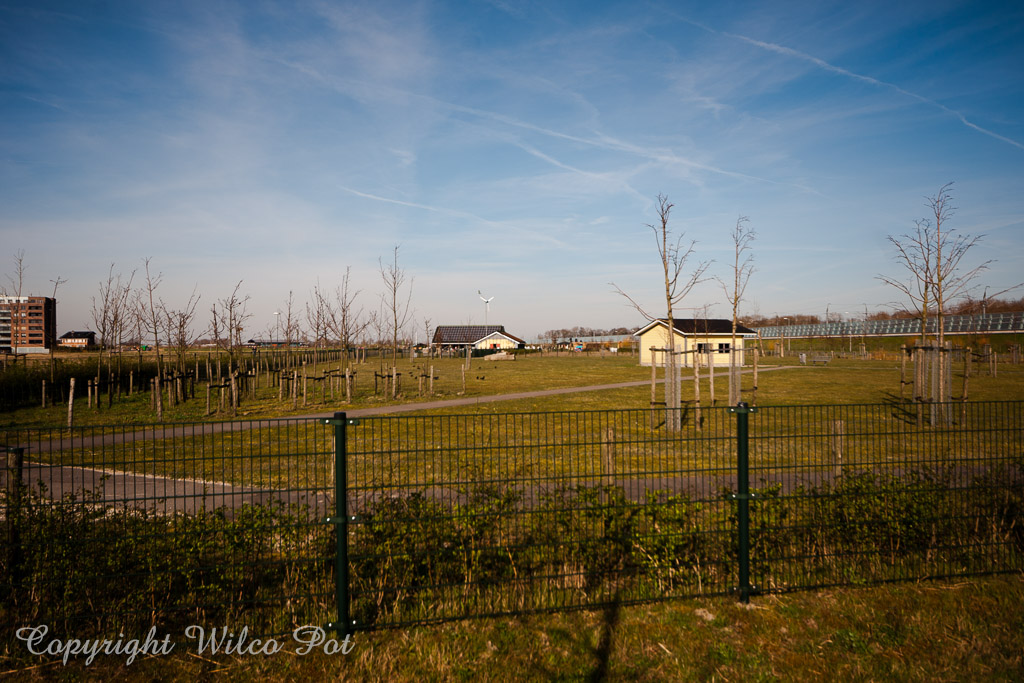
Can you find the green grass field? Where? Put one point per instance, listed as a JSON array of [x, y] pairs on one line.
[[279, 455], [841, 381]]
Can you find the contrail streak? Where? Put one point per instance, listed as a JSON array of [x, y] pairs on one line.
[[790, 52]]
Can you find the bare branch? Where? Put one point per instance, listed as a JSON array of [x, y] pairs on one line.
[[399, 311], [674, 255]]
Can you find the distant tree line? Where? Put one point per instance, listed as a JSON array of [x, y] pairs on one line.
[[580, 332]]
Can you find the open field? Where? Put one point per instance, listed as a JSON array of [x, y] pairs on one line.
[[841, 381], [265, 453]]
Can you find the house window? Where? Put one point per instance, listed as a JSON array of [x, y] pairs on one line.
[[703, 348], [723, 348]]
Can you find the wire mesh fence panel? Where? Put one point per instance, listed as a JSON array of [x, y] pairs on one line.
[[127, 527], [452, 516], [865, 493], [465, 515]]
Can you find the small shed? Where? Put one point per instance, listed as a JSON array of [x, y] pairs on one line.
[[710, 338]]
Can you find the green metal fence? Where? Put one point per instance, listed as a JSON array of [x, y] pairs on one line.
[[389, 521], [126, 527], [486, 514]]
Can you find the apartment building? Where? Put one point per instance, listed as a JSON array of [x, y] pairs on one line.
[[28, 324]]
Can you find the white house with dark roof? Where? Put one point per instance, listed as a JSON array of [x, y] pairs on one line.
[[475, 336], [78, 339], [710, 338]]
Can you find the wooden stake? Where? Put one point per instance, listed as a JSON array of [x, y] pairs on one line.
[[696, 392], [753, 396], [837, 446], [71, 403], [711, 375], [608, 457]]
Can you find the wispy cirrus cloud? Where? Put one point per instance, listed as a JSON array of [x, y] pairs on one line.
[[416, 205], [821, 63], [827, 66]]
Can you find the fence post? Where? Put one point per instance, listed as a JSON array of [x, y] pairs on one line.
[[344, 624], [15, 494], [743, 497]]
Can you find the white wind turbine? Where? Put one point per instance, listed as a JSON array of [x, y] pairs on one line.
[[487, 304]]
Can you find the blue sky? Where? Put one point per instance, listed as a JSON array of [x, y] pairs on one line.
[[515, 148]]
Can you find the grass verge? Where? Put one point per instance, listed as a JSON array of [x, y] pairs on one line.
[[934, 631]]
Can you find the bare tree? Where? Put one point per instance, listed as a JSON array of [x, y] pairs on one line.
[[292, 328], [17, 283], [148, 312], [376, 325], [292, 323], [317, 317], [233, 316], [742, 268], [178, 325], [950, 248], [553, 336], [148, 316], [932, 256], [674, 255], [215, 326], [395, 305], [344, 319], [57, 283], [111, 312], [915, 252], [17, 280]]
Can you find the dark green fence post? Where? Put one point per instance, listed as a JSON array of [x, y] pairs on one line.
[[344, 624], [15, 492], [743, 496]]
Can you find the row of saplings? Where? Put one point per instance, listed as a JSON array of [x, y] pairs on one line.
[[226, 390]]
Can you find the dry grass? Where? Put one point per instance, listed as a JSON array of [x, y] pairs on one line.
[[932, 631]]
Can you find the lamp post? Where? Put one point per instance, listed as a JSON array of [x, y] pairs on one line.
[[277, 326], [784, 338]]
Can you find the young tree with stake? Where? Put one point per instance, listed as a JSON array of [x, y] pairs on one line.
[[742, 268], [674, 255]]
